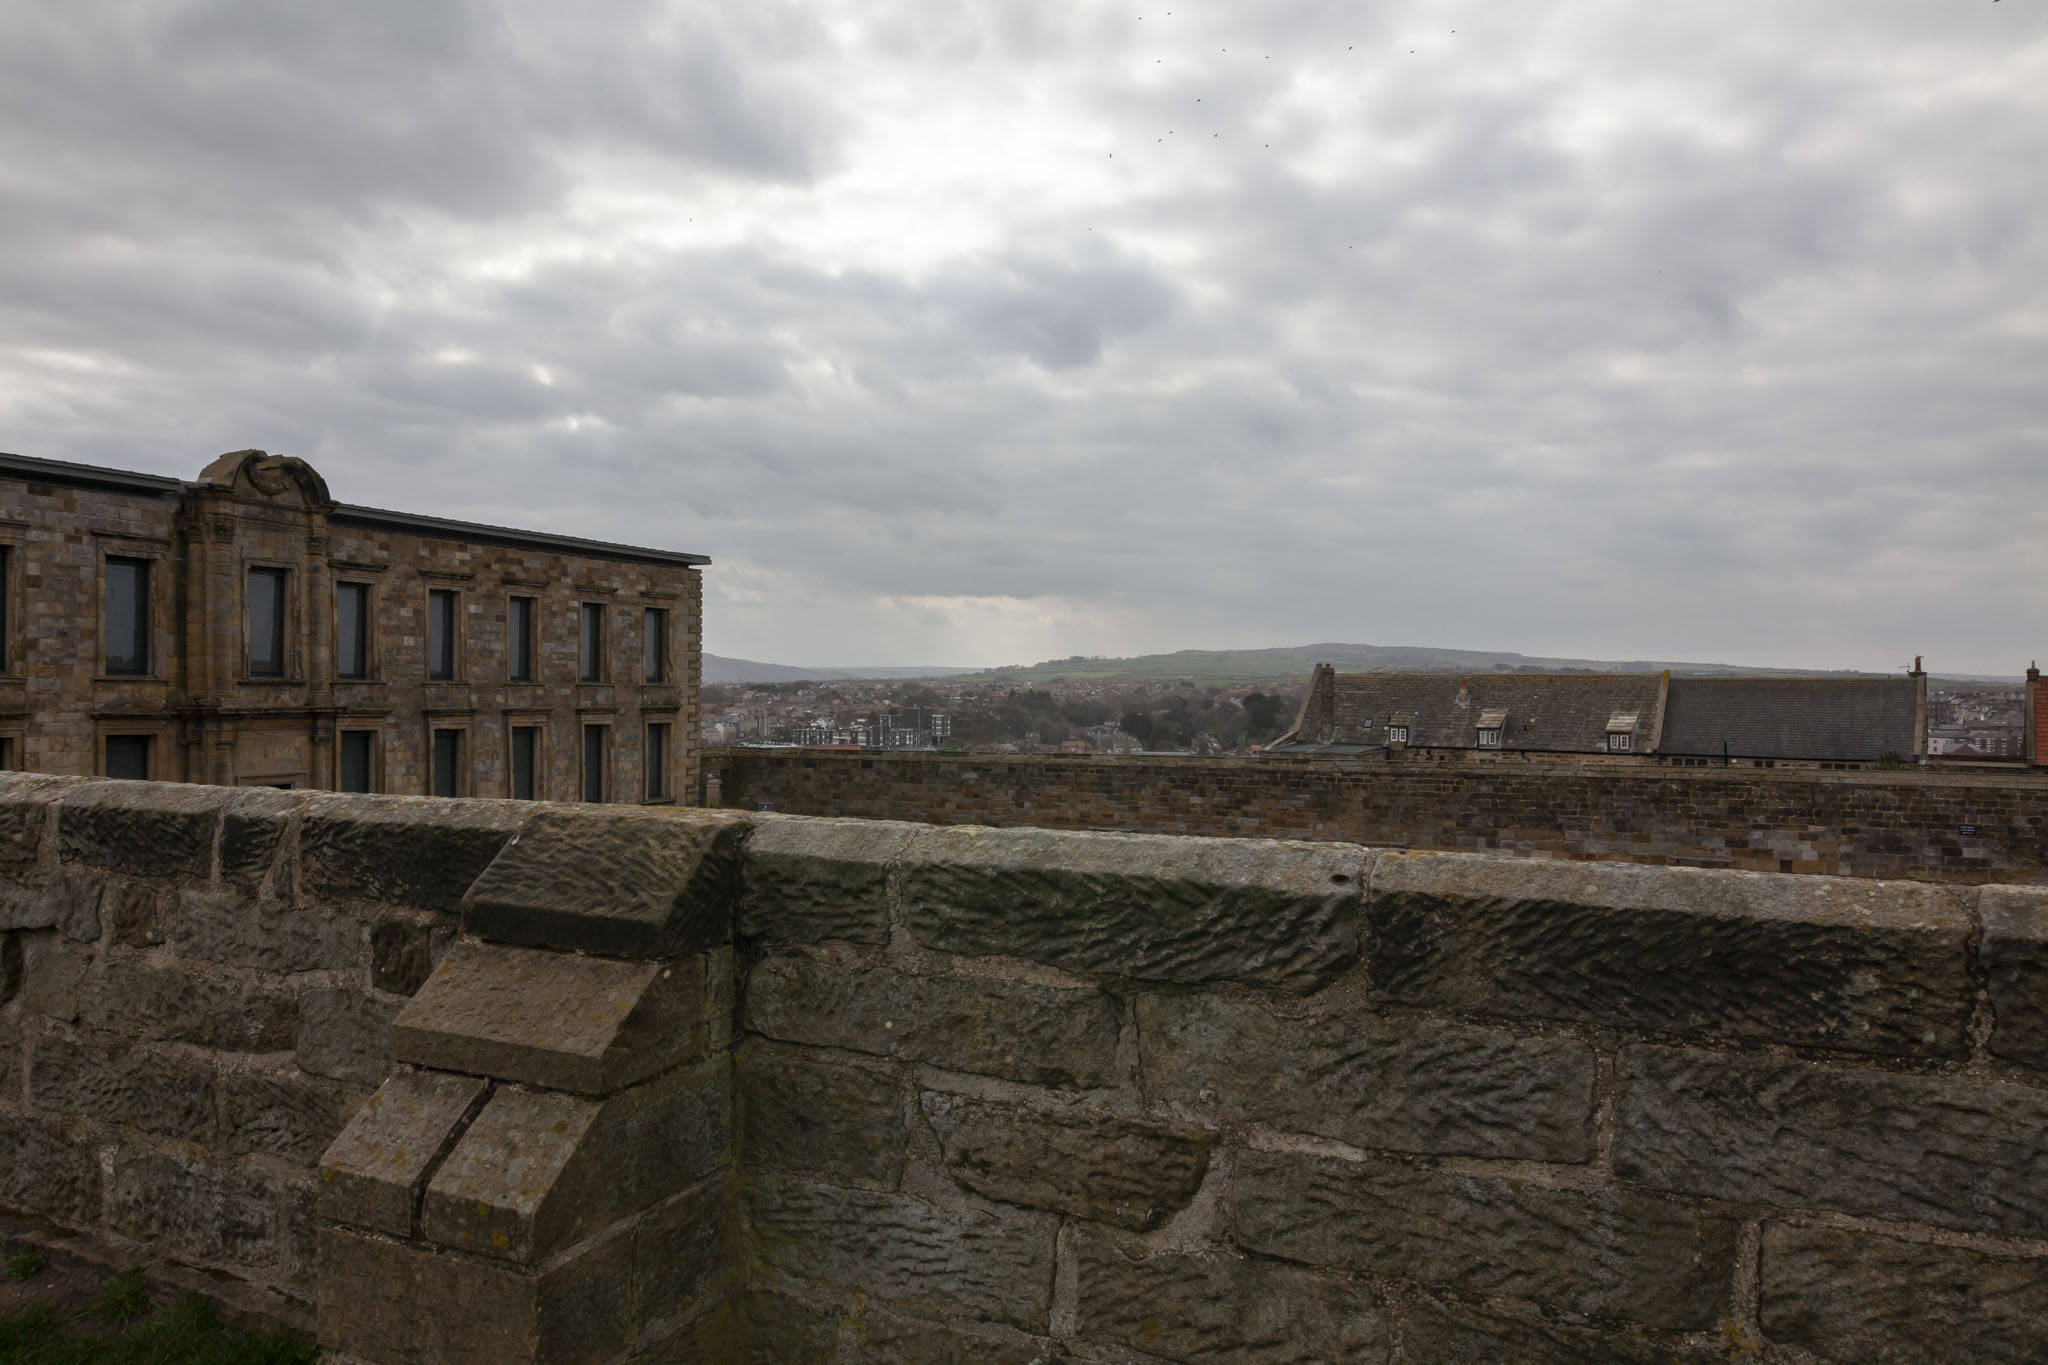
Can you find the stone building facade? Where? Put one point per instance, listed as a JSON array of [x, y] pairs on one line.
[[246, 629]]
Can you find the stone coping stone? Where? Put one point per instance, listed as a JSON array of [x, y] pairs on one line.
[[1150, 907], [809, 880], [25, 800], [141, 828], [418, 852], [560, 1020], [640, 884], [2015, 956], [1863, 966], [373, 1173]]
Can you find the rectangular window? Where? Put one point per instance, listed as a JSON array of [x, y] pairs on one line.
[[1489, 739], [355, 760], [128, 757], [266, 623], [592, 652], [525, 762], [1397, 734], [1618, 743], [441, 635], [595, 739], [655, 635], [352, 632], [3, 612], [657, 762], [519, 640], [6, 753], [127, 616], [447, 762]]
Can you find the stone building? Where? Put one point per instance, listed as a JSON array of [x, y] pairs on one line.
[[246, 629], [1825, 722]]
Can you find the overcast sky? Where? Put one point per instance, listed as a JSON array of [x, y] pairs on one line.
[[980, 333]]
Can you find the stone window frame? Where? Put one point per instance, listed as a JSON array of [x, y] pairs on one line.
[[666, 721], [608, 778], [377, 761], [537, 721], [664, 669], [372, 656], [157, 553], [434, 722], [457, 637], [158, 732], [11, 596], [592, 663], [536, 656], [289, 669], [12, 755]]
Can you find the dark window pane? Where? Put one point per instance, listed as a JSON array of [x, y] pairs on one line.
[[355, 760], [127, 616], [593, 762], [657, 645], [3, 614], [519, 628], [128, 756], [266, 623], [593, 643], [525, 749], [352, 632], [440, 634], [6, 755], [447, 754], [657, 762]]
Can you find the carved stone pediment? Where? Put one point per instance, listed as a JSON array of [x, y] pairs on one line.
[[263, 477]]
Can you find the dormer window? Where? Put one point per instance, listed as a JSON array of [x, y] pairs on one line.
[[1491, 725], [1619, 741], [1397, 734], [1621, 731], [1489, 738]]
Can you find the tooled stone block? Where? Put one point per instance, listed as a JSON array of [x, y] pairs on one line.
[[558, 1020], [623, 884]]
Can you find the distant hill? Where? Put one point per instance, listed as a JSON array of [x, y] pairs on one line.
[[1224, 667], [719, 669]]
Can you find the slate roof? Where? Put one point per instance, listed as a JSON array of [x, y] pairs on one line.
[[1838, 719], [1545, 712]]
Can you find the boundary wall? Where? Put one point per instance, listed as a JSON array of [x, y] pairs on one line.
[[484, 1081], [1956, 827]]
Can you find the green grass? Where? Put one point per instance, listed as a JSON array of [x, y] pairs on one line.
[[118, 1329], [25, 1265]]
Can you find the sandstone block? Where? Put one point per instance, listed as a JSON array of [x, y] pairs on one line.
[[538, 1170], [1850, 1297], [25, 801], [396, 1304], [994, 1264], [243, 930], [1189, 1307], [143, 829], [401, 955], [133, 910], [683, 1249], [2015, 957], [372, 1175], [1879, 967], [78, 907], [1132, 1173], [1399, 1083], [284, 1114], [1931, 1148], [346, 1035], [1596, 1252], [193, 1209], [1452, 1334], [812, 880], [142, 999], [69, 903], [45, 1174], [605, 880], [1041, 1034], [1150, 907], [410, 851], [155, 1089], [28, 905], [877, 1336], [846, 1124], [52, 975], [253, 828], [560, 1020]]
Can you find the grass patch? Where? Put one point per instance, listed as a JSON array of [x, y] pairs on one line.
[[119, 1329], [26, 1265]]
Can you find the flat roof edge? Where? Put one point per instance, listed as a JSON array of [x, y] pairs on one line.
[[72, 475], [376, 517]]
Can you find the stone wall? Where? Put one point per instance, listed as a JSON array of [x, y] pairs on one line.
[[1967, 828], [683, 1086]]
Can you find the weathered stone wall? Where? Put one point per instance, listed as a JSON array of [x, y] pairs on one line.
[[700, 1087], [1868, 824]]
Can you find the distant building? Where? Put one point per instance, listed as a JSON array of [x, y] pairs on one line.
[[246, 628], [1613, 717], [2036, 718]]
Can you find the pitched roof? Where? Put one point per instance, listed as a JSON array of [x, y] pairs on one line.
[[1541, 712], [1838, 719]]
